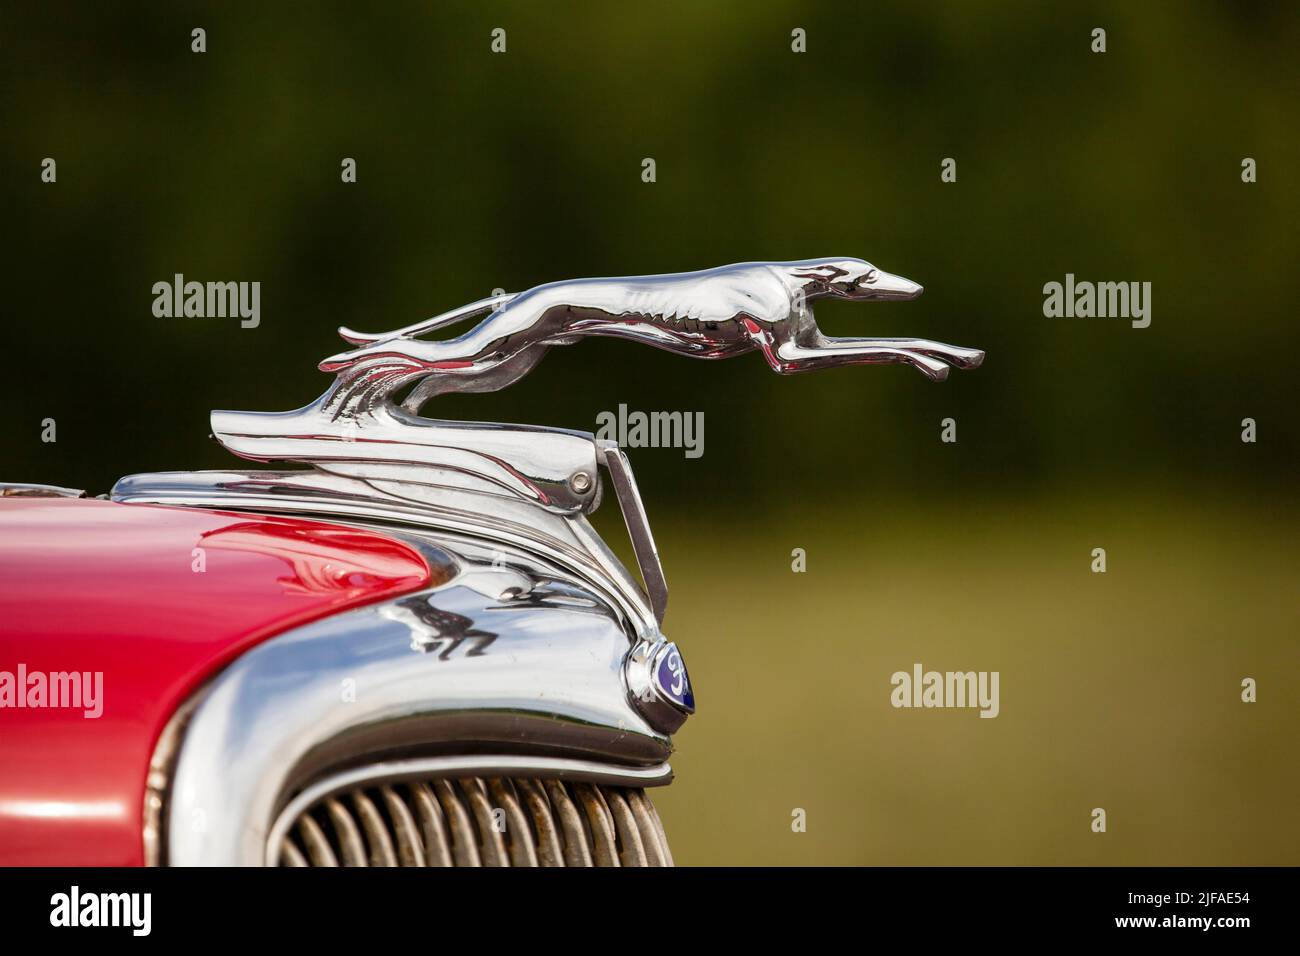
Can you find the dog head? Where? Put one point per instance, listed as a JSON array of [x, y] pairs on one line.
[[854, 279]]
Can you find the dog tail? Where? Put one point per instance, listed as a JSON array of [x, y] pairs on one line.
[[428, 325]]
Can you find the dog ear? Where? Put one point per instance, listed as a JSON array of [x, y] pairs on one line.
[[823, 271]]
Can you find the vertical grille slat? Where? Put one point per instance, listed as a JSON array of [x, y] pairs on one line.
[[433, 826], [464, 842], [522, 851], [629, 837], [352, 849], [600, 824], [450, 822], [647, 821], [318, 846], [659, 826], [492, 844], [410, 847], [577, 846], [549, 852], [379, 843], [290, 855]]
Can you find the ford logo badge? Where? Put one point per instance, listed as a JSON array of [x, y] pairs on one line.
[[672, 680]]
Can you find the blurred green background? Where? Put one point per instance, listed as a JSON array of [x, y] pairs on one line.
[[478, 171]]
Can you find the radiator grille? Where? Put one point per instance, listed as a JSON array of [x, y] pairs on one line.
[[479, 822]]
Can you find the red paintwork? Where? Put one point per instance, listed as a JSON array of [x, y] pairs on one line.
[[88, 586]]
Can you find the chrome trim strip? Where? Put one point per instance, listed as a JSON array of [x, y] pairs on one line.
[[476, 766], [530, 463], [568, 540], [20, 489], [157, 786]]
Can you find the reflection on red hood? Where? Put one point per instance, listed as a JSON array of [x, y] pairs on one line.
[[322, 559], [156, 600]]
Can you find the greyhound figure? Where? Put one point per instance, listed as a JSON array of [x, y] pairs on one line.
[[710, 314], [357, 430], [361, 445]]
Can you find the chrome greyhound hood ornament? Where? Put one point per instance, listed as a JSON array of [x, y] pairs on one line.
[[356, 433]]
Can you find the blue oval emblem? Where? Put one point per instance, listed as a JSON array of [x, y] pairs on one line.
[[672, 680]]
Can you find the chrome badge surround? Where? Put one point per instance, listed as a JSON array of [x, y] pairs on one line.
[[658, 681]]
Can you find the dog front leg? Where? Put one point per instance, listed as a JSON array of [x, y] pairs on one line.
[[788, 356], [952, 354]]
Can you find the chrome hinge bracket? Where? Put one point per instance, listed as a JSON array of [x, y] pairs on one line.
[[638, 525]]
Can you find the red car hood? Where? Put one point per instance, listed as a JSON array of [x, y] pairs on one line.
[[143, 603]]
